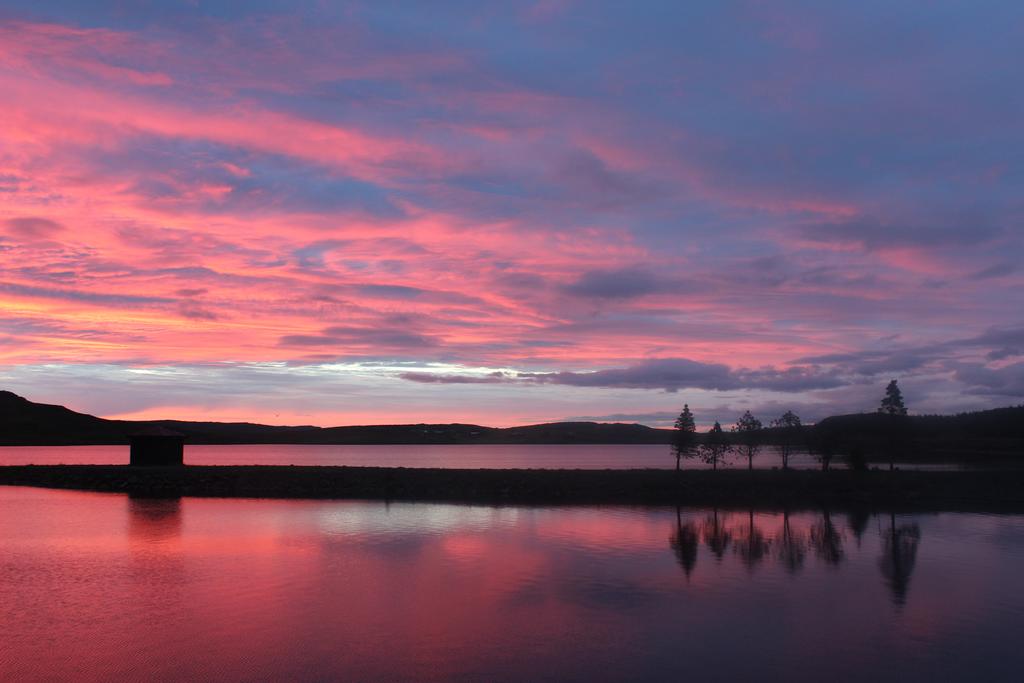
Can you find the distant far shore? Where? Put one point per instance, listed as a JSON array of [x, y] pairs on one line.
[[990, 436], [967, 490]]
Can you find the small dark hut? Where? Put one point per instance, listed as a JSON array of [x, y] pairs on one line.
[[157, 446]]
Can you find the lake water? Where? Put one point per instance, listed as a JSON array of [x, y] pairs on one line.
[[461, 456], [99, 587]]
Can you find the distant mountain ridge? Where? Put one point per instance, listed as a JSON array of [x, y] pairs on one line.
[[24, 423]]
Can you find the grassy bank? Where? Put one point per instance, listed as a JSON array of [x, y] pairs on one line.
[[981, 490]]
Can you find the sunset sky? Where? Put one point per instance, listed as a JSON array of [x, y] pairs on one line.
[[510, 212]]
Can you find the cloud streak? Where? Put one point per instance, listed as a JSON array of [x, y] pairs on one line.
[[667, 374]]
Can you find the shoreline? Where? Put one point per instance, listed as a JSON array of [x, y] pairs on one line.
[[987, 490]]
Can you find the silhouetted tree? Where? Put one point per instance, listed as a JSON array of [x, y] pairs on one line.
[[714, 448], [827, 540], [752, 546], [789, 433], [716, 536], [899, 553], [684, 541], [892, 402], [856, 459], [823, 446], [792, 546], [896, 431], [748, 433], [684, 441]]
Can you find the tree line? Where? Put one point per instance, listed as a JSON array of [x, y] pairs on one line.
[[748, 436]]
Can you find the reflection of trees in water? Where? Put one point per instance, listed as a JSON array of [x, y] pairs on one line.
[[792, 547], [751, 545], [715, 534], [899, 553], [684, 541], [857, 519], [827, 540]]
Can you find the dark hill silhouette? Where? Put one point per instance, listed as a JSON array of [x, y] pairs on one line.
[[24, 423], [996, 432], [995, 423]]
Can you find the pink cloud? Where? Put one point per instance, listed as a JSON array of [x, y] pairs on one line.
[[168, 198]]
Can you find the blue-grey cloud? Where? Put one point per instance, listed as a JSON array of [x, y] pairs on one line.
[[1005, 381], [673, 374], [127, 300], [32, 227], [628, 283], [995, 271], [435, 378], [668, 374], [341, 337], [875, 234]]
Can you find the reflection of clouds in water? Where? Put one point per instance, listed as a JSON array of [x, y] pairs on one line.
[[280, 588], [1004, 529], [363, 518], [620, 594], [392, 546], [577, 541]]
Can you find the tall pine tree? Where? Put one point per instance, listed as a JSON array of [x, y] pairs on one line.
[[897, 429], [892, 404], [685, 437]]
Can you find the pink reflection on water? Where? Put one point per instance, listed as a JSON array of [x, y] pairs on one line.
[[100, 587]]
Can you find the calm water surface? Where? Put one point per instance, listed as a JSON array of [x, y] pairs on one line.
[[461, 456], [103, 587]]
